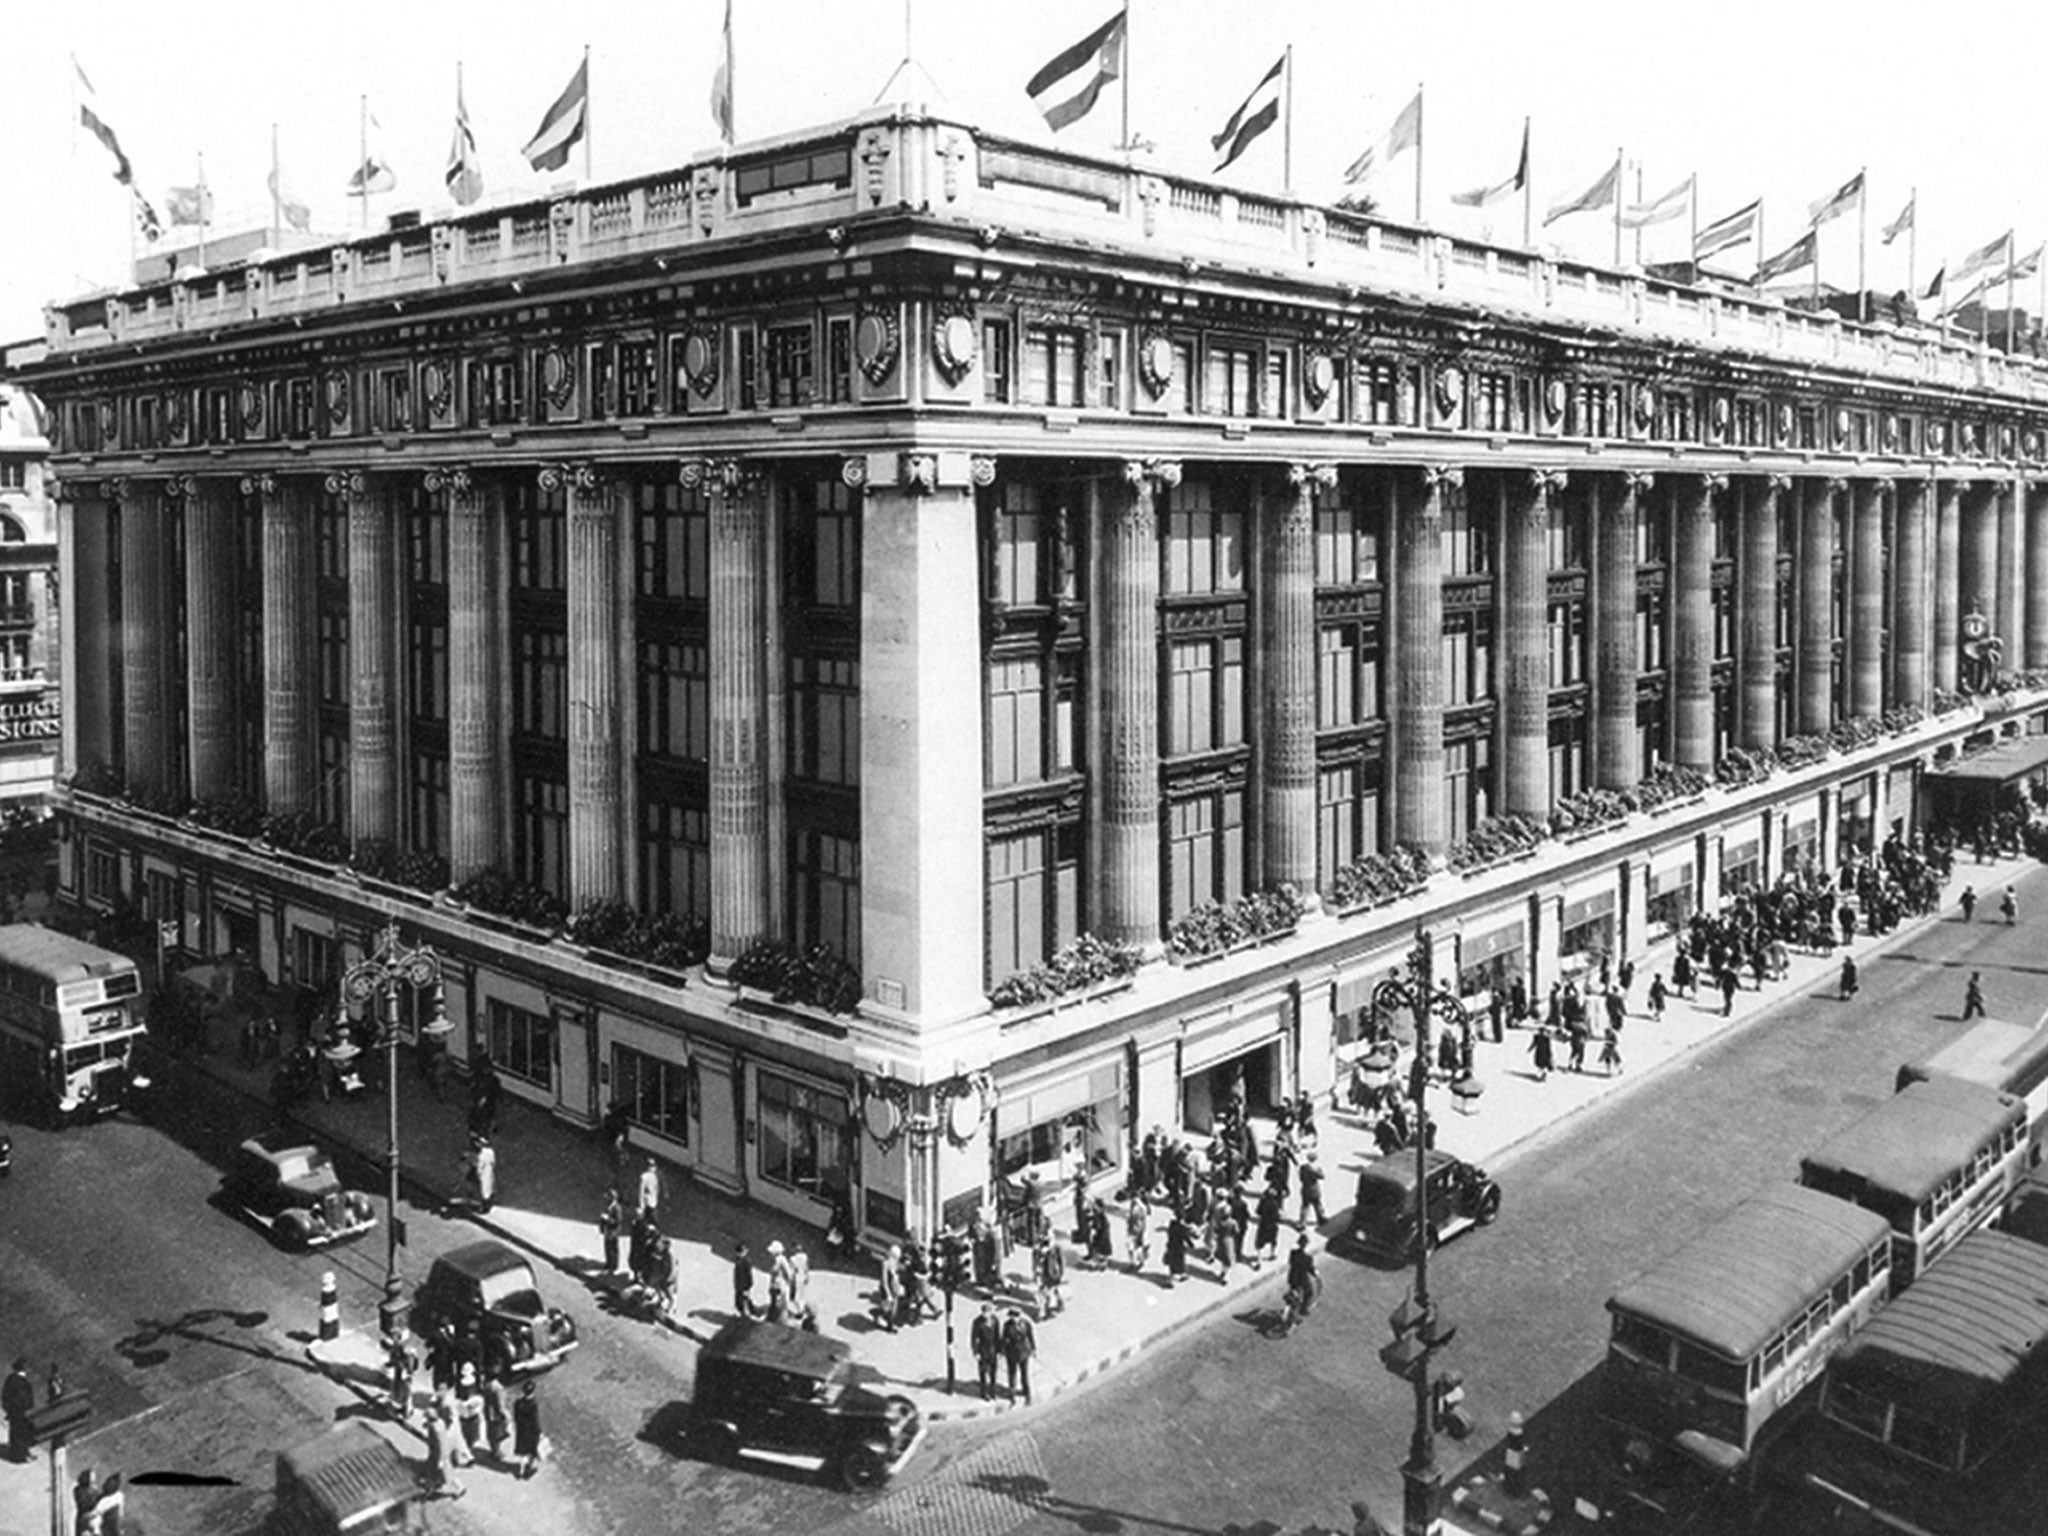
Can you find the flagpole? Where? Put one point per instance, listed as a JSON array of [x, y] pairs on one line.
[[1862, 242], [2008, 298], [1619, 159], [274, 179], [1124, 77], [1528, 192], [1913, 255], [1639, 204], [1692, 250], [1287, 123], [363, 159], [1418, 152], [202, 210], [586, 112]]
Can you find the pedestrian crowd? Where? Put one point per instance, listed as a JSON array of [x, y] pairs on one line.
[[471, 1413]]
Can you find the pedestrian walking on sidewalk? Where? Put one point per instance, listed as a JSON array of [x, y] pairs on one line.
[[1969, 903], [1659, 998], [2009, 906], [985, 1338], [1625, 973], [18, 1400], [1100, 1251], [401, 1364], [1610, 1052], [1728, 988], [647, 1194], [528, 1442], [85, 1501], [497, 1416], [985, 1238], [1268, 1244], [1848, 977], [1578, 1048], [441, 1456], [610, 1221], [1225, 1234], [1312, 1190], [889, 1295], [1973, 996], [1138, 1231], [1049, 1265], [483, 1172], [743, 1282], [1540, 1047], [1176, 1248], [469, 1415], [1020, 1343]]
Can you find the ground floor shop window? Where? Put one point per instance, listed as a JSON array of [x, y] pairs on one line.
[[1667, 910], [1074, 1127], [656, 1092], [1480, 977], [1592, 938], [521, 1043], [806, 1136]]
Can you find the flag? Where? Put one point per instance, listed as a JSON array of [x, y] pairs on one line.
[[2026, 266], [1486, 197], [1848, 195], [1903, 222], [1405, 134], [189, 205], [721, 81], [1254, 115], [1798, 254], [90, 119], [373, 175], [566, 120], [1066, 86], [1598, 195], [293, 210], [1984, 256], [1934, 288], [1737, 228], [465, 176], [1669, 206], [146, 221]]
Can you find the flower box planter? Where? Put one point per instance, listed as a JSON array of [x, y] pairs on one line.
[[1024, 1013], [1580, 834], [1250, 941], [1374, 903], [1678, 803], [755, 1000], [613, 960], [511, 927]]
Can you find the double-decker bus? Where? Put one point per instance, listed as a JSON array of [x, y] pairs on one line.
[[1938, 1160], [70, 1020], [1930, 1418], [2012, 1058], [1712, 1349]]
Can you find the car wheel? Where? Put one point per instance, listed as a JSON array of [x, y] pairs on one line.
[[1489, 1206], [863, 1467]]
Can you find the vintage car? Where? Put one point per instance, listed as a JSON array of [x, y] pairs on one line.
[[487, 1287], [293, 1193], [786, 1395], [1384, 1221], [349, 1480]]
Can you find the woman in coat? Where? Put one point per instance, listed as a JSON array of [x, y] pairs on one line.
[[1540, 1048], [526, 1436], [1268, 1245]]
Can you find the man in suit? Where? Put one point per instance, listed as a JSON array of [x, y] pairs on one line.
[[1020, 1343], [985, 1336]]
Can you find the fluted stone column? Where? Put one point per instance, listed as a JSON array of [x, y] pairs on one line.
[[1129, 693], [210, 565], [1287, 742], [598, 640], [1948, 583], [146, 643], [1616, 743], [2036, 652], [1978, 592], [372, 658], [1692, 581], [2006, 615], [85, 633], [1757, 615], [739, 761], [1418, 661], [921, 902], [1525, 646], [290, 765], [1866, 598], [1816, 578], [1909, 595], [476, 775]]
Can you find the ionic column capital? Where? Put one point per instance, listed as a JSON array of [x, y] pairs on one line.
[[178, 487], [1438, 477], [113, 487], [1833, 485], [1152, 474], [1712, 484], [351, 483], [719, 478], [583, 479], [1312, 479], [1637, 481], [1548, 482], [455, 480], [1777, 485], [259, 485]]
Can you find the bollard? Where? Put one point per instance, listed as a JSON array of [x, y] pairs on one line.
[[1516, 1456], [330, 1308]]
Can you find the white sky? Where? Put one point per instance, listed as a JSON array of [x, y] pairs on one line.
[[1784, 100]]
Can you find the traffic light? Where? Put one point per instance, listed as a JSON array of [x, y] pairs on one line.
[[1418, 1331], [952, 1261]]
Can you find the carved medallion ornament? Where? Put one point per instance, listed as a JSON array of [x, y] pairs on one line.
[[558, 377], [700, 359], [1450, 389], [437, 387], [981, 470], [1155, 363], [1318, 378], [853, 470], [249, 401], [955, 344], [956, 1108], [1555, 397], [877, 343]]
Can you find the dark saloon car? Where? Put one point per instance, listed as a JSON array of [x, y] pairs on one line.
[[489, 1287], [1385, 1221], [294, 1194], [786, 1395]]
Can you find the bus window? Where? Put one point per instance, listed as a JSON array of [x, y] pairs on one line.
[[1711, 1371], [1635, 1337]]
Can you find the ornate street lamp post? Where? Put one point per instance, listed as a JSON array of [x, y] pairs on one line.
[[373, 982], [1420, 1330]]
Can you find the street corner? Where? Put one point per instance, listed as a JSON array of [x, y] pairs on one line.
[[353, 1359]]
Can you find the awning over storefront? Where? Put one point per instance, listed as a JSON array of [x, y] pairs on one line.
[[1672, 877], [1735, 855], [2007, 763], [1501, 941], [1585, 910], [1204, 1046]]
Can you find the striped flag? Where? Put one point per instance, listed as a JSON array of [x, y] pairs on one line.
[[1486, 197], [1254, 115], [90, 119], [1405, 134], [1903, 222], [564, 125], [1599, 195], [1738, 228], [1848, 195], [721, 81], [1067, 85], [1984, 256], [465, 173], [1800, 253], [189, 205], [292, 209], [1669, 206]]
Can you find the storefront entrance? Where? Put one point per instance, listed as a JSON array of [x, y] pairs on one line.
[[1256, 1074]]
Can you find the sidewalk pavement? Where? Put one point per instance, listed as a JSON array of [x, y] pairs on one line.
[[551, 1182]]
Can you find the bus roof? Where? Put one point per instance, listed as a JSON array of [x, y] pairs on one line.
[[1736, 1285], [1992, 1053], [1964, 1328], [1917, 1138], [56, 955]]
